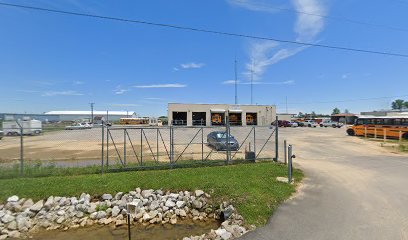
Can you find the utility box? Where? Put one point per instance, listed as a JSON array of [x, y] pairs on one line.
[[250, 156]]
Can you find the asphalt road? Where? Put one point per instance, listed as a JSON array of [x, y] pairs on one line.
[[353, 189]]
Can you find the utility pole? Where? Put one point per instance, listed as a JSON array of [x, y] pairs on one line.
[[92, 112], [236, 82], [252, 81]]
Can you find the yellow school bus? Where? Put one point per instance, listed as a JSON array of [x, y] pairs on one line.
[[134, 121], [383, 126]]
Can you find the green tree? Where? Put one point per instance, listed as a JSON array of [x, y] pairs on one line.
[[336, 111], [301, 115], [398, 104], [346, 111]]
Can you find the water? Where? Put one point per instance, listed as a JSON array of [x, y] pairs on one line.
[[138, 232]]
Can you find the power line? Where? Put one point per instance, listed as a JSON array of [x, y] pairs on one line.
[[209, 31], [334, 18]]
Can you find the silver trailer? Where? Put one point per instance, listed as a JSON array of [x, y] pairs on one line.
[[30, 127]]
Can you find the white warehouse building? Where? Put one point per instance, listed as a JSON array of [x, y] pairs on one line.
[[81, 115], [215, 114]]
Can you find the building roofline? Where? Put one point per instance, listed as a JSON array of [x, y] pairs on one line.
[[259, 105]]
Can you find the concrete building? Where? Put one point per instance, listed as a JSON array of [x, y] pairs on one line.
[[82, 115], [215, 114]]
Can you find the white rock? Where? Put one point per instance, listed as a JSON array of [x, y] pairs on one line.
[[115, 211], [7, 218], [182, 213], [12, 225], [74, 201], [147, 193], [180, 204], [170, 203], [146, 217], [106, 196], [49, 203], [37, 206], [118, 195], [154, 205], [14, 234], [199, 193], [4, 236], [27, 204], [61, 213], [223, 233], [12, 199]]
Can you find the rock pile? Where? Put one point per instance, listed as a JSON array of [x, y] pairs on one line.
[[22, 217]]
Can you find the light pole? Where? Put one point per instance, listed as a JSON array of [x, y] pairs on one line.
[[92, 112]]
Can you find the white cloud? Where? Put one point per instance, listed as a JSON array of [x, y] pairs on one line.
[[119, 90], [170, 85], [191, 65], [61, 93], [263, 54], [309, 26], [344, 76], [230, 82], [124, 105]]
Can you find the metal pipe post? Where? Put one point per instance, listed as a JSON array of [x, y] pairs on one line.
[[255, 142], [141, 146], [124, 146], [276, 139], [103, 149], [290, 164], [202, 144], [21, 149], [107, 147], [285, 152], [157, 145]]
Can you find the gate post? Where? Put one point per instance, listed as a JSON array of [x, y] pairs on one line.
[[276, 139], [124, 145], [227, 130], [290, 164], [285, 152], [21, 148], [254, 142], [103, 141], [107, 146]]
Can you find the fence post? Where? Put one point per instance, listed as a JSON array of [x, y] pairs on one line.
[[124, 145], [290, 164], [255, 142], [285, 151], [103, 149], [107, 147], [276, 139], [365, 132], [141, 146], [400, 136], [157, 145], [227, 130], [202, 143], [375, 133], [21, 148]]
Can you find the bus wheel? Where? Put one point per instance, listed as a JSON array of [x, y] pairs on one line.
[[351, 132], [405, 136]]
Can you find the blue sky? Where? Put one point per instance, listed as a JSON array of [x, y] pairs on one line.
[[50, 61]]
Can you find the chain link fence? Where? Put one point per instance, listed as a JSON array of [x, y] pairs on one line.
[[110, 148]]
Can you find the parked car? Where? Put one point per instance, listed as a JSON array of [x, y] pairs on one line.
[[310, 123], [329, 123], [293, 124], [1, 134], [281, 123], [300, 124], [79, 126], [218, 140]]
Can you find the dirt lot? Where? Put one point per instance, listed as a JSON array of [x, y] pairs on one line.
[[83, 147]]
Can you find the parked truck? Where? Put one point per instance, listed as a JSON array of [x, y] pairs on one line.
[[30, 127]]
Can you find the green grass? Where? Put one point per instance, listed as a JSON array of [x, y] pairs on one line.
[[252, 188]]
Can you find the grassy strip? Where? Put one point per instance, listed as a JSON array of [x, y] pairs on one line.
[[251, 187]]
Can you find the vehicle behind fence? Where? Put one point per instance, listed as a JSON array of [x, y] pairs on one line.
[[108, 148]]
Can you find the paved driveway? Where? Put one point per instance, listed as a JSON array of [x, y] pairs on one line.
[[353, 190]]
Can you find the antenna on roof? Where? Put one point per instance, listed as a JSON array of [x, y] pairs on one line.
[[252, 81]]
